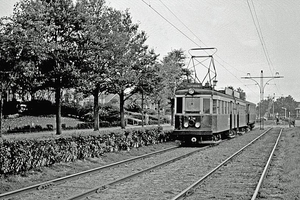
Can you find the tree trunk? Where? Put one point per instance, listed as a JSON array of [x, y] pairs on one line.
[[158, 112], [58, 106], [96, 108], [121, 95]]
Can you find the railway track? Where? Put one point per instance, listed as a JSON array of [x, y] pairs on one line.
[[80, 183], [103, 187], [57, 181], [238, 179], [169, 180]]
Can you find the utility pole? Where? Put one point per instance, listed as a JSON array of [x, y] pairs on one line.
[[261, 90]]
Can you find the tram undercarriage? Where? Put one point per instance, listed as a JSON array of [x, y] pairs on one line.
[[206, 137]]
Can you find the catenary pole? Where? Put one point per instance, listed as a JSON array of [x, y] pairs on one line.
[[261, 86]]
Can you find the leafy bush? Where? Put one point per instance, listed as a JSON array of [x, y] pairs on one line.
[[87, 125], [39, 107], [28, 128], [88, 117], [75, 110], [10, 107], [107, 113], [134, 107], [22, 155]]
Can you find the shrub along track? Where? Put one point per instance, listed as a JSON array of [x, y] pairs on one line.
[[240, 176], [78, 183]]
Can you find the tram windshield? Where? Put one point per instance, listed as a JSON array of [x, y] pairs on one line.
[[192, 104]]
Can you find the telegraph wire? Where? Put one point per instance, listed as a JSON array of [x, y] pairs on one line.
[[259, 32], [261, 38], [265, 46], [197, 36], [181, 22], [170, 23], [192, 39]]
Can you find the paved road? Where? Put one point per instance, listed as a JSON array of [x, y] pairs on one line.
[[66, 133]]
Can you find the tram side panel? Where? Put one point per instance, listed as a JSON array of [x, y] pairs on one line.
[[251, 115], [242, 121], [220, 123]]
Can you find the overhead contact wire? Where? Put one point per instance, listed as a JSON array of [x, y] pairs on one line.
[[190, 38]]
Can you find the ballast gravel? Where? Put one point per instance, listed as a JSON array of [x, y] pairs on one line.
[[168, 181]]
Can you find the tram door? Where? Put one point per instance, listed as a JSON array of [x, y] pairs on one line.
[[233, 116], [230, 115]]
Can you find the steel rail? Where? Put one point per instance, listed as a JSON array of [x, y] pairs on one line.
[[185, 191], [76, 175], [100, 188], [266, 168]]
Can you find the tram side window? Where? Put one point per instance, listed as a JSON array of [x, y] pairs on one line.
[[230, 108], [179, 105], [215, 105], [206, 106], [222, 107]]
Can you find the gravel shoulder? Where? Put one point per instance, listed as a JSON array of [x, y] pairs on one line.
[[283, 179]]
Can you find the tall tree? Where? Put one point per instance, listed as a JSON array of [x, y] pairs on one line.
[[15, 52], [97, 48], [145, 83], [285, 104], [173, 68], [160, 90], [54, 29], [127, 60]]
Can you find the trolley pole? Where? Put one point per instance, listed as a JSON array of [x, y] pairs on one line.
[[261, 86]]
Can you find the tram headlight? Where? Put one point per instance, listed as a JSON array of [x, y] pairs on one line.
[[191, 91], [186, 124], [197, 124]]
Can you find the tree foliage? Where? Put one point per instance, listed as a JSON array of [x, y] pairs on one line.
[[53, 32], [130, 56], [283, 106]]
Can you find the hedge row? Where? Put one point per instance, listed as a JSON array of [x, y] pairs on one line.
[[19, 156], [28, 128]]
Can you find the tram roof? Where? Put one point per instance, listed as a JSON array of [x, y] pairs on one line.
[[207, 91]]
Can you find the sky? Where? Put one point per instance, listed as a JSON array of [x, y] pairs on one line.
[[233, 29]]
